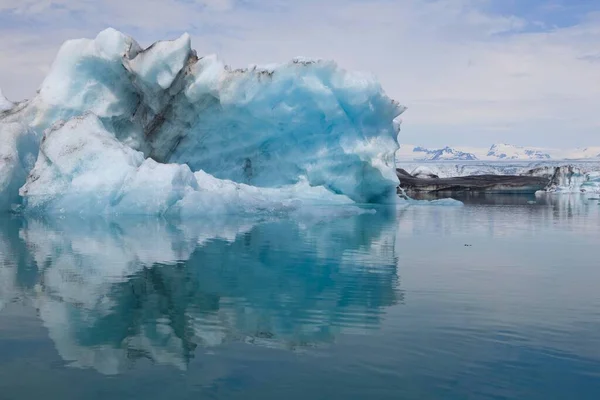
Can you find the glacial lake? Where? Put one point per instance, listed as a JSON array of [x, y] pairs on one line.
[[496, 299]]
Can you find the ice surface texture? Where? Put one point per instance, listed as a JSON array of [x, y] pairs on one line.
[[125, 128], [82, 166], [4, 103], [570, 179]]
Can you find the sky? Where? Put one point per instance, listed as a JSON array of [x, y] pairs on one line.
[[471, 72]]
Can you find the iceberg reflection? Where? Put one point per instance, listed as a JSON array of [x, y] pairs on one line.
[[113, 292]]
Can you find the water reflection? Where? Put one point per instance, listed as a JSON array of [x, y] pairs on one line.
[[505, 215], [113, 292], [501, 302]]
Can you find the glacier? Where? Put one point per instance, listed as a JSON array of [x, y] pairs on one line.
[[118, 129]]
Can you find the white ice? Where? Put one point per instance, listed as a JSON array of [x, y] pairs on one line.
[[5, 104]]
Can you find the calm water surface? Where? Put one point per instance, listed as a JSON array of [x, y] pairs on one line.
[[498, 299]]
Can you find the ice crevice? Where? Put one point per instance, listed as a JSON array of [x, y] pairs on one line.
[[115, 128]]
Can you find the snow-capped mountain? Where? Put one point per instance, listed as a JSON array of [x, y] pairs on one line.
[[588, 152], [497, 152], [510, 152], [447, 153]]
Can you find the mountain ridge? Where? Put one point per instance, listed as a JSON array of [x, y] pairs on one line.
[[496, 152]]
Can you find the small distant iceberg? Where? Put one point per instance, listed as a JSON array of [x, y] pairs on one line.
[[570, 179]]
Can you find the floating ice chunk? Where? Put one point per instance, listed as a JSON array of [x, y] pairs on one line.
[[437, 202], [592, 185], [568, 179]]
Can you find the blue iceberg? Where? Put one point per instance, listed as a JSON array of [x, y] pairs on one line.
[[117, 129]]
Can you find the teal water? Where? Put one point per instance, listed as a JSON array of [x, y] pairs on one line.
[[498, 299]]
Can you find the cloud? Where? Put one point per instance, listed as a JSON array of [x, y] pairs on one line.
[[470, 71]]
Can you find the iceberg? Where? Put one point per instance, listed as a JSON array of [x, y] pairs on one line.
[[569, 179], [119, 129]]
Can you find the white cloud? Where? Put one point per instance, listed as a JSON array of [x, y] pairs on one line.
[[468, 76]]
